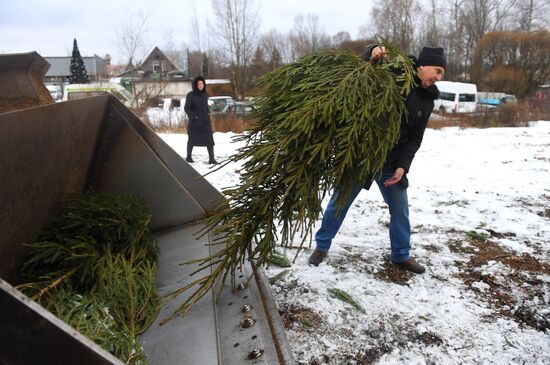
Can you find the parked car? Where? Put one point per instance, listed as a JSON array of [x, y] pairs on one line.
[[220, 104], [241, 108], [489, 98]]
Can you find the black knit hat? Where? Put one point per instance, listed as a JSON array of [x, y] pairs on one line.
[[432, 57]]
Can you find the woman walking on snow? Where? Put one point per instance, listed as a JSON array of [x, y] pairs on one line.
[[199, 127]]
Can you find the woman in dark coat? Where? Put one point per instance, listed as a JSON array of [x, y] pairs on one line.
[[199, 128]]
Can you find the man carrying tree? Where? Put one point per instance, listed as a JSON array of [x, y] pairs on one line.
[[392, 180]]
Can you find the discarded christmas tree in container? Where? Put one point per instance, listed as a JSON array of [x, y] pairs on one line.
[[328, 120], [94, 267]]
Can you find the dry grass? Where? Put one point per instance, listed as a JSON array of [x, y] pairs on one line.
[[182, 129], [511, 115], [220, 123]]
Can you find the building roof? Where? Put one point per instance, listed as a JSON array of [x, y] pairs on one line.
[[61, 66], [155, 50], [217, 81]]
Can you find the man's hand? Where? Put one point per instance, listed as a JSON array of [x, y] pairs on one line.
[[378, 53], [397, 175]]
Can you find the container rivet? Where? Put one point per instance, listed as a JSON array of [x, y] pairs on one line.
[[248, 322], [254, 354]]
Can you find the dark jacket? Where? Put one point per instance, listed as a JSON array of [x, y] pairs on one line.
[[199, 127], [419, 103]]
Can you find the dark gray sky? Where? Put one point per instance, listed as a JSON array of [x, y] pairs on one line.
[[49, 27]]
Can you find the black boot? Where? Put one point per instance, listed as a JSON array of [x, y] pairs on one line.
[[189, 153], [211, 159]]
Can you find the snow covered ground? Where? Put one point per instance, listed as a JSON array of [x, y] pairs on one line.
[[480, 211]]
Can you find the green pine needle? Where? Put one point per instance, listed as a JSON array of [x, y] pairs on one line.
[[94, 267], [279, 276], [345, 297], [278, 259]]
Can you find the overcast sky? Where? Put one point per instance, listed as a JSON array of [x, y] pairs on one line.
[[49, 27]]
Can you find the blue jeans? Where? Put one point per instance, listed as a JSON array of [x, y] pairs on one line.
[[400, 229]]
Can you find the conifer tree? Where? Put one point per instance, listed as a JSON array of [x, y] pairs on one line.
[[325, 121], [78, 70]]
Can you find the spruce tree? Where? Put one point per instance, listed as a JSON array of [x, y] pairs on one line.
[[78, 70], [325, 121]]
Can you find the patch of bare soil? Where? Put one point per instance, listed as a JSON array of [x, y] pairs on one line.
[[540, 207], [432, 248], [299, 318], [518, 293], [373, 352], [393, 274], [371, 355], [428, 338]]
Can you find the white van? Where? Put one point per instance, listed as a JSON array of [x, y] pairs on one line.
[[79, 91], [456, 97]]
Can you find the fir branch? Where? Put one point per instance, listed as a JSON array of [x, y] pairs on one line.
[[94, 266], [327, 121], [345, 297]]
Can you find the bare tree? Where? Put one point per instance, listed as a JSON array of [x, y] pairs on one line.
[[513, 61], [455, 50], [339, 38], [432, 36], [481, 16], [276, 46], [531, 14], [131, 39], [199, 63], [307, 36], [394, 20], [196, 33], [175, 53], [237, 22]]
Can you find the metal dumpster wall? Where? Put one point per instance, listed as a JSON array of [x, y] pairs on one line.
[[21, 83], [31, 335], [205, 194], [126, 163], [95, 142], [68, 147], [46, 152]]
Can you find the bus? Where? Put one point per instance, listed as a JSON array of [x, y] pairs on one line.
[[79, 91]]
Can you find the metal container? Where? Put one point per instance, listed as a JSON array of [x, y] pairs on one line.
[[50, 150]]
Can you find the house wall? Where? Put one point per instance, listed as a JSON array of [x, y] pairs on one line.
[[157, 56], [145, 91]]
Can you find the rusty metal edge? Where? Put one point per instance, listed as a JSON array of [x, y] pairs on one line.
[[278, 332]]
